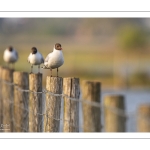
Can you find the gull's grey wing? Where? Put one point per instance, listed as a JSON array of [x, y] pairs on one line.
[[42, 60], [16, 53]]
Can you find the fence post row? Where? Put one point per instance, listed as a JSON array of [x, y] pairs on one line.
[[36, 104], [114, 113], [91, 92], [71, 89], [23, 112], [143, 120], [53, 104], [21, 98]]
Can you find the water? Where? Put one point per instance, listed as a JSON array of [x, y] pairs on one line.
[[133, 99]]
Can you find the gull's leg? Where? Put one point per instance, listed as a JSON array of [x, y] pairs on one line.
[[38, 68], [57, 72], [13, 66], [31, 68], [8, 65], [51, 71]]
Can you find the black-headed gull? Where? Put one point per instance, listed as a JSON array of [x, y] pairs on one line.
[[35, 58], [54, 59], [10, 55]]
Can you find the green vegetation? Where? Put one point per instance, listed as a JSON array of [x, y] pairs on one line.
[[133, 38]]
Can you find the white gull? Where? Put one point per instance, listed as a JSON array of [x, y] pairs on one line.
[[35, 58], [54, 59], [10, 55]]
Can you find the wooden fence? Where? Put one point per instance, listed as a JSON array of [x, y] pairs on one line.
[[25, 106]]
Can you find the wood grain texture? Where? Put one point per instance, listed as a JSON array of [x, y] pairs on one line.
[[1, 97], [35, 103], [114, 120], [53, 104], [7, 99], [71, 89], [1, 103], [91, 91], [21, 98], [143, 120]]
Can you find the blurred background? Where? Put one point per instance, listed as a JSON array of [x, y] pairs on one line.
[[114, 51]]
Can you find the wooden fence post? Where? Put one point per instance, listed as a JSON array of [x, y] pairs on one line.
[[91, 92], [53, 104], [71, 89], [7, 99], [144, 118], [1, 104], [114, 113], [35, 103], [21, 98]]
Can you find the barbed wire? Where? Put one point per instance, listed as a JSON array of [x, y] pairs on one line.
[[117, 111]]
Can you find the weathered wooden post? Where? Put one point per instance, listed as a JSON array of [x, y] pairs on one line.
[[53, 104], [143, 123], [114, 113], [71, 89], [7, 99], [91, 92], [36, 118], [1, 115], [21, 98]]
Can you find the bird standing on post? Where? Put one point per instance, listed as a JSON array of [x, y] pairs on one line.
[[35, 58], [10, 55], [54, 59]]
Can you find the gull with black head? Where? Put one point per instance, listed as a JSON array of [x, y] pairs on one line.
[[35, 58], [10, 55], [54, 59]]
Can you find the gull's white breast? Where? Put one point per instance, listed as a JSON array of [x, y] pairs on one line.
[[10, 56], [54, 59], [35, 59]]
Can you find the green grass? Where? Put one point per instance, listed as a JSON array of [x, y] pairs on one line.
[[84, 60]]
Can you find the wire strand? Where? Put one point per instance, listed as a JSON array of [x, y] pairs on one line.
[[63, 96]]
